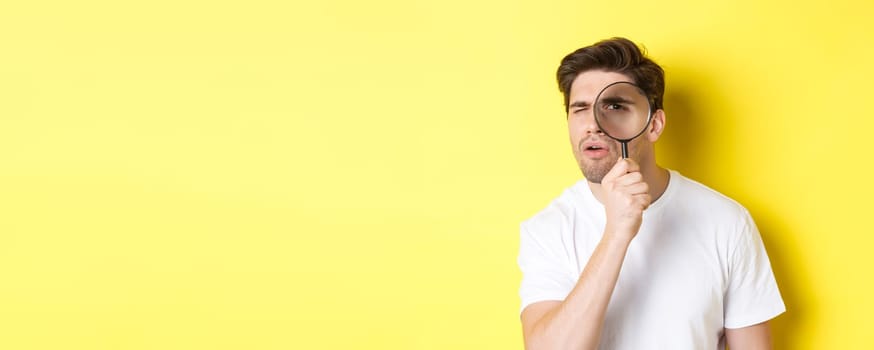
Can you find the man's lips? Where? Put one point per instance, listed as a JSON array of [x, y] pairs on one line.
[[595, 149]]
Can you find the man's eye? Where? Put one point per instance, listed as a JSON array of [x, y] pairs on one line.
[[614, 106]]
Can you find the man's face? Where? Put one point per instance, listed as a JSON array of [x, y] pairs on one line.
[[595, 152]]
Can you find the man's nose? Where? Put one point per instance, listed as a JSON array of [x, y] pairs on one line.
[[590, 126]]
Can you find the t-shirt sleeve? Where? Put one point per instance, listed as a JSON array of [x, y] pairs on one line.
[[752, 295], [546, 275]]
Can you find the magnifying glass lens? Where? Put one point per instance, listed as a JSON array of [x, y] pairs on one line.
[[622, 111]]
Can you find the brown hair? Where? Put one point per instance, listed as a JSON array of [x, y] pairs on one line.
[[618, 55]]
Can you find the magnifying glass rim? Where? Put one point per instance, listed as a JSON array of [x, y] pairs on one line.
[[648, 106]]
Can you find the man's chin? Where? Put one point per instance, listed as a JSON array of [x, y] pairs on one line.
[[594, 180], [594, 175]]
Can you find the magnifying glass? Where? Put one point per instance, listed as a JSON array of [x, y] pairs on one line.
[[622, 111]]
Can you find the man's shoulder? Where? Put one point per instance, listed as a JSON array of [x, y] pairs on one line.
[[559, 211], [695, 196]]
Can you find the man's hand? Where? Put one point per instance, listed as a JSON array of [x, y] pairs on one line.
[[626, 197], [576, 322]]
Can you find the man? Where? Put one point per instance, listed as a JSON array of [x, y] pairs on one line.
[[637, 256]]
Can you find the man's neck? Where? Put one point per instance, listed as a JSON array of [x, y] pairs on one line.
[[655, 177]]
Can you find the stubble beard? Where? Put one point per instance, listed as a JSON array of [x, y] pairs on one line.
[[595, 170]]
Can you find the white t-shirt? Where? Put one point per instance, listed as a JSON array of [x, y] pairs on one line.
[[696, 266]]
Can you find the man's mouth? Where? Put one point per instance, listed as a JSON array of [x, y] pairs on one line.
[[595, 149]]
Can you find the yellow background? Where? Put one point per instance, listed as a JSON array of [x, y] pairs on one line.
[[351, 174]]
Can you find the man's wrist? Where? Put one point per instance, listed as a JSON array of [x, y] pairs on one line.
[[614, 240]]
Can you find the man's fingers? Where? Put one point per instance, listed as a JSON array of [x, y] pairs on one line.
[[637, 188], [643, 199], [619, 169], [631, 165], [623, 168], [629, 179]]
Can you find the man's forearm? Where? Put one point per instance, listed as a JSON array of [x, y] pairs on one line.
[[576, 322]]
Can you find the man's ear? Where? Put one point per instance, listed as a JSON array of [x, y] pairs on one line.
[[656, 126]]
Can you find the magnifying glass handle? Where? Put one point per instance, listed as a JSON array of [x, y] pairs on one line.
[[624, 150]]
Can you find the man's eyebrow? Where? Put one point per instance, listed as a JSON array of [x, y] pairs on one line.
[[580, 104], [615, 99]]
